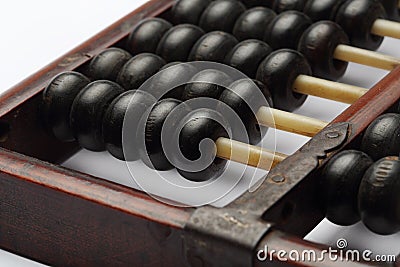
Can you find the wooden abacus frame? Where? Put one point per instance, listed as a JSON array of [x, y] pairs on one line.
[[62, 217]]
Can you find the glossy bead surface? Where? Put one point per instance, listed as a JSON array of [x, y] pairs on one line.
[[136, 103], [107, 64], [138, 69], [200, 126], [286, 29], [247, 56], [382, 137], [178, 42], [88, 110], [213, 46], [318, 10], [379, 198], [57, 101], [318, 45], [153, 156], [253, 23], [256, 3], [341, 180], [188, 11], [356, 18], [278, 72], [207, 83], [392, 9], [221, 15], [146, 35], [245, 102], [285, 5]]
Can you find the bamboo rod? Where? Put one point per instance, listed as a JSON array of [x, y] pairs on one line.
[[386, 28], [247, 154], [290, 122], [327, 89], [365, 57]]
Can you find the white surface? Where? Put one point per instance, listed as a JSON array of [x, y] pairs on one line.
[[37, 32]]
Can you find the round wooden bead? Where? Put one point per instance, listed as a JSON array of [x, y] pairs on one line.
[[88, 110], [221, 15], [341, 180], [135, 102], [163, 85], [253, 23], [245, 102], [356, 18], [146, 35], [138, 69], [178, 42], [208, 83], [318, 45], [247, 56], [392, 9], [286, 29], [153, 156], [382, 137], [188, 11], [213, 46], [57, 100], [379, 198], [107, 64], [286, 5], [278, 72], [200, 126], [318, 10], [257, 3]]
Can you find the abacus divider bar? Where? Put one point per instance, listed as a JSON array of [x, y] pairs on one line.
[[340, 92], [386, 28], [290, 122], [365, 57], [247, 154]]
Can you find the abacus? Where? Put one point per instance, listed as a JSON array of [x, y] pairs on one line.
[[279, 213]]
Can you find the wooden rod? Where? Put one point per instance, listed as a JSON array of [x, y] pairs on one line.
[[290, 122], [247, 154], [386, 28], [327, 89], [365, 57]]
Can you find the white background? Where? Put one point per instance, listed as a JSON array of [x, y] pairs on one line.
[[34, 33]]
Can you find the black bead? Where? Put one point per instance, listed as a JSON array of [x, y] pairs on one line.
[[57, 100], [256, 3], [153, 156], [357, 17], [247, 56], [132, 104], [253, 23], [146, 35], [178, 42], [164, 83], [188, 11], [341, 180], [107, 64], [278, 72], [246, 97], [379, 198], [382, 137], [213, 46], [207, 83], [392, 9], [318, 10], [286, 5], [286, 29], [318, 45], [138, 69], [221, 15], [88, 110], [200, 126]]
